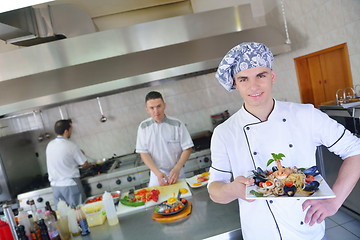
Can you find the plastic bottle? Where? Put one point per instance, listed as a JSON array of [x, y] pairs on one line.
[[43, 230], [35, 233], [51, 226], [24, 220], [20, 232], [110, 209], [39, 215], [81, 218], [62, 222], [49, 208], [73, 224], [33, 209]]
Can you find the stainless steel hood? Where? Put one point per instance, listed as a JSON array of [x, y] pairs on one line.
[[117, 60]]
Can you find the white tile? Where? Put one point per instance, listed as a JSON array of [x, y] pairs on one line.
[[339, 232], [353, 227], [341, 217], [330, 223]]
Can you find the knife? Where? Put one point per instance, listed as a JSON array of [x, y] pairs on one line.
[[131, 194]]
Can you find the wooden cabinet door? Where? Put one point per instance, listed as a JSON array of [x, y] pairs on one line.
[[322, 73], [316, 78]]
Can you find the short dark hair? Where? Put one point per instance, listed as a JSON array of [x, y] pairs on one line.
[[62, 125], [153, 95]]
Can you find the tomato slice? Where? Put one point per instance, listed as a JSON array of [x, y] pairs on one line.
[[309, 178], [289, 183], [268, 183]]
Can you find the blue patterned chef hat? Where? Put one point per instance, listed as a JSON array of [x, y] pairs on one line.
[[241, 57]]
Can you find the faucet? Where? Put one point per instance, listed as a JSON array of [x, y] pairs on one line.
[[340, 99]]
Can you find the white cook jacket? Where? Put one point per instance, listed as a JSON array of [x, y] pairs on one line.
[[243, 143]]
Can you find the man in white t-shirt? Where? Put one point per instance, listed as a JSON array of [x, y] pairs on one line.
[[163, 142], [63, 159]]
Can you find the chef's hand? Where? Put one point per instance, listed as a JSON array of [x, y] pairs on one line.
[[240, 184], [162, 179], [174, 175], [319, 209]]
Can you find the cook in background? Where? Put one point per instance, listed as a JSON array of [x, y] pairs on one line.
[[163, 142], [63, 159], [264, 125]]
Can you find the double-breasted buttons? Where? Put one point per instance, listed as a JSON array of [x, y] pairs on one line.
[[255, 153], [247, 128], [284, 120], [290, 145]]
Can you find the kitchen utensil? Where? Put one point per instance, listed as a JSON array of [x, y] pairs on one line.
[[103, 118]]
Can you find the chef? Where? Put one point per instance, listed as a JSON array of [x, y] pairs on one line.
[[263, 126], [63, 159], [163, 143]]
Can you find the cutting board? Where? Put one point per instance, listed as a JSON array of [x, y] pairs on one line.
[[165, 193], [171, 218]]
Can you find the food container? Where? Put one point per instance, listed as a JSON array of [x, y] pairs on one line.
[[98, 198], [95, 213]]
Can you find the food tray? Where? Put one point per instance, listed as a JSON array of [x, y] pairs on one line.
[[97, 198], [95, 213]]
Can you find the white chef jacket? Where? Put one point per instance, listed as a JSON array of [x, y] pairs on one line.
[[164, 141], [63, 159], [243, 143]]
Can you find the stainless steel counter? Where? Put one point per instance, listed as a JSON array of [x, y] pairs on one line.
[[207, 219]]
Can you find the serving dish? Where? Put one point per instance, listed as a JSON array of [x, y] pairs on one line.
[[323, 192], [198, 181]]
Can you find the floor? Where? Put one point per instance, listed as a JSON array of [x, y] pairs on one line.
[[342, 226]]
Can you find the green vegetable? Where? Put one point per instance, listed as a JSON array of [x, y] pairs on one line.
[[126, 201], [255, 193], [278, 156]]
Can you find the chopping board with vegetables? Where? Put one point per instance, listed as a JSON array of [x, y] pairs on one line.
[[143, 199]]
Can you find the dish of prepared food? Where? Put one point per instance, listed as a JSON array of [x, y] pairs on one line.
[[283, 182], [171, 206], [198, 180]]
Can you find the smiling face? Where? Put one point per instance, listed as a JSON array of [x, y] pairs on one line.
[[156, 109], [255, 87]]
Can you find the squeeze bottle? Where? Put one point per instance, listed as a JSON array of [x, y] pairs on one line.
[[110, 209]]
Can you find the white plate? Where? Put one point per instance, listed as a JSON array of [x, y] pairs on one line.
[[193, 180], [323, 192]]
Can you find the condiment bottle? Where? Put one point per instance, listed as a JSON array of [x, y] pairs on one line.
[[43, 230], [110, 209], [20, 232], [35, 233], [24, 220], [51, 226], [81, 218], [73, 224], [33, 208], [49, 208]]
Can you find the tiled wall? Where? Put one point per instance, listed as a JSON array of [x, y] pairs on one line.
[[313, 25]]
